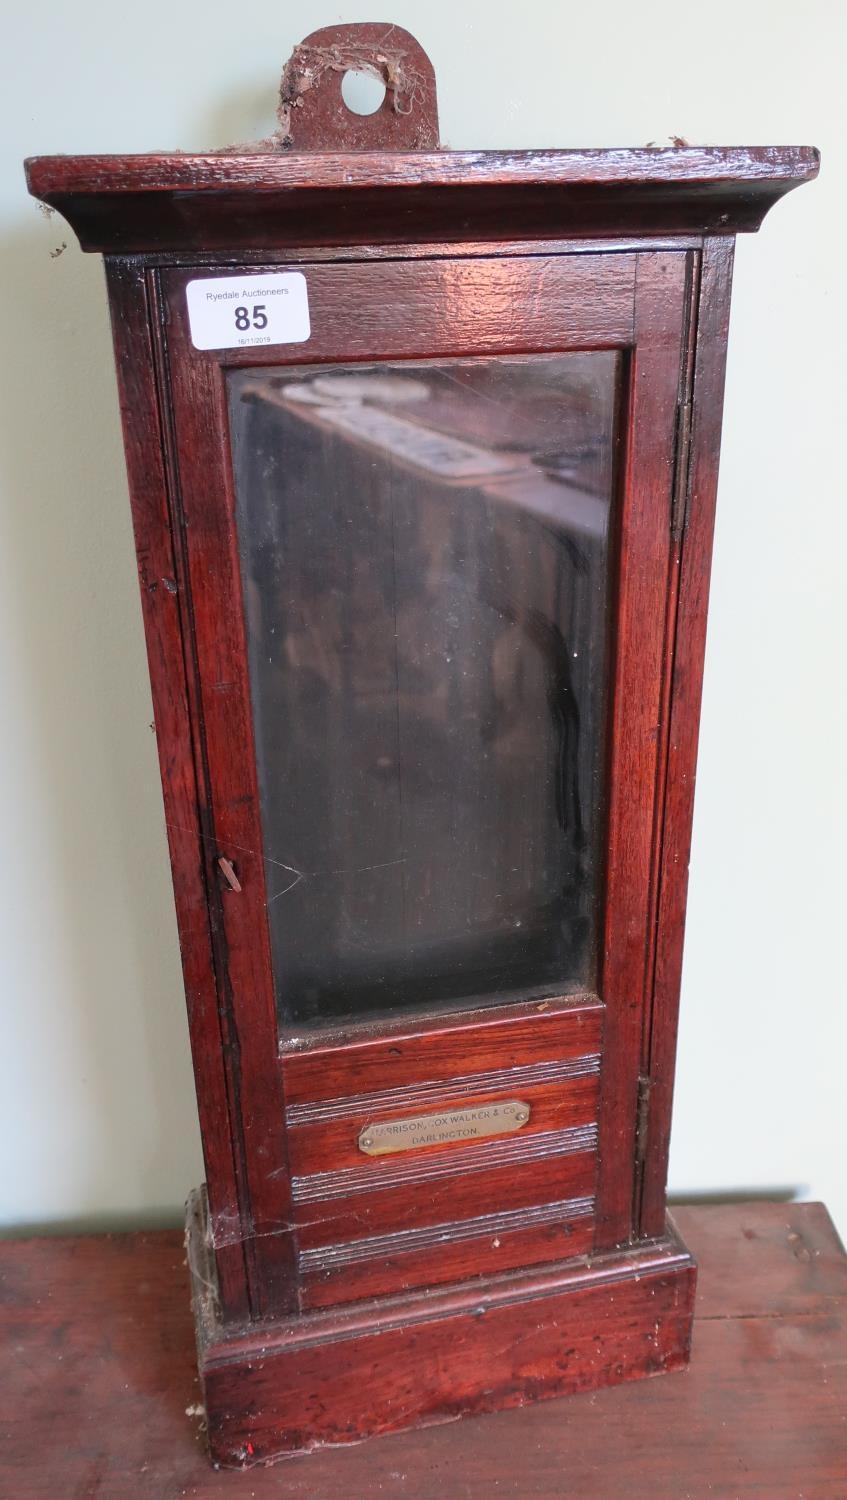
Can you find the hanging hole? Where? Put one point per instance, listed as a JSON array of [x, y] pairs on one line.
[[363, 93]]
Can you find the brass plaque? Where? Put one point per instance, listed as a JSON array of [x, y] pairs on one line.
[[450, 1125]]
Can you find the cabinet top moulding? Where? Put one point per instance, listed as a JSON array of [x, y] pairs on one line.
[[271, 200]]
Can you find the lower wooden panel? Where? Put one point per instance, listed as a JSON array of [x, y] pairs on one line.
[[564, 1167], [403, 1058], [444, 1211], [336, 1377], [451, 1252], [334, 1144]]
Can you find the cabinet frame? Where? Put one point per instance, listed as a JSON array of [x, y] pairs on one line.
[[644, 302], [628, 250]]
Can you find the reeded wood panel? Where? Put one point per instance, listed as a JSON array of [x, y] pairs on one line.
[[454, 1252], [338, 1207], [371, 1225], [438, 1051], [554, 1105]]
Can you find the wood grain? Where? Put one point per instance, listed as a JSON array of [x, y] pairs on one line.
[[169, 202], [524, 304], [312, 113], [100, 1360], [307, 1246], [231, 828], [635, 728], [327, 1145], [437, 1094], [461, 1250], [561, 1165], [159, 574], [486, 1344], [691, 569], [405, 1055], [427, 1167], [474, 306], [638, 302]]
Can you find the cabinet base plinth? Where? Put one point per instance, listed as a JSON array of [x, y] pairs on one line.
[[286, 1386]]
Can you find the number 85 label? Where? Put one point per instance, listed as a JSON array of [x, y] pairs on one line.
[[233, 312], [254, 316]]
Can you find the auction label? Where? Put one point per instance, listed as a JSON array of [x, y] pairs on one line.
[[234, 312]]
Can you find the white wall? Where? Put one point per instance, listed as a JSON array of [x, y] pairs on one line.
[[97, 1096]]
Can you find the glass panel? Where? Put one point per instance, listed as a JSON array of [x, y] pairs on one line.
[[424, 553]]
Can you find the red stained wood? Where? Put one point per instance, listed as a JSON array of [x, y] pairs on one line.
[[100, 1361], [312, 113], [421, 254], [647, 303], [562, 1168], [478, 1346], [327, 1145], [427, 1167], [444, 1212], [231, 824], [132, 204], [164, 623], [399, 1055], [692, 565], [635, 720], [499, 1244], [527, 304]]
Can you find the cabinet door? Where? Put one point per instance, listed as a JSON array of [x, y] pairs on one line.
[[427, 561]]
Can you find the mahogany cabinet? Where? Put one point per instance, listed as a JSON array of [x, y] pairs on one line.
[[422, 449]]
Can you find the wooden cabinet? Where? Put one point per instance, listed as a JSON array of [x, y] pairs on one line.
[[422, 450]]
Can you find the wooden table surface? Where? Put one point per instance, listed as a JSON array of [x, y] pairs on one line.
[[98, 1389]]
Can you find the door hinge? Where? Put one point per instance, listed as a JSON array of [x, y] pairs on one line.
[[642, 1119], [682, 467]]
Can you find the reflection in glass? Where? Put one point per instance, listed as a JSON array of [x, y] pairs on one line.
[[424, 561]]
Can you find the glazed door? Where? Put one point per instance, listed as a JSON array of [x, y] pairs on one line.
[[427, 567]]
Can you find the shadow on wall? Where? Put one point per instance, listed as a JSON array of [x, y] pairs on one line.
[[103, 1067], [738, 1195], [103, 1057]]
